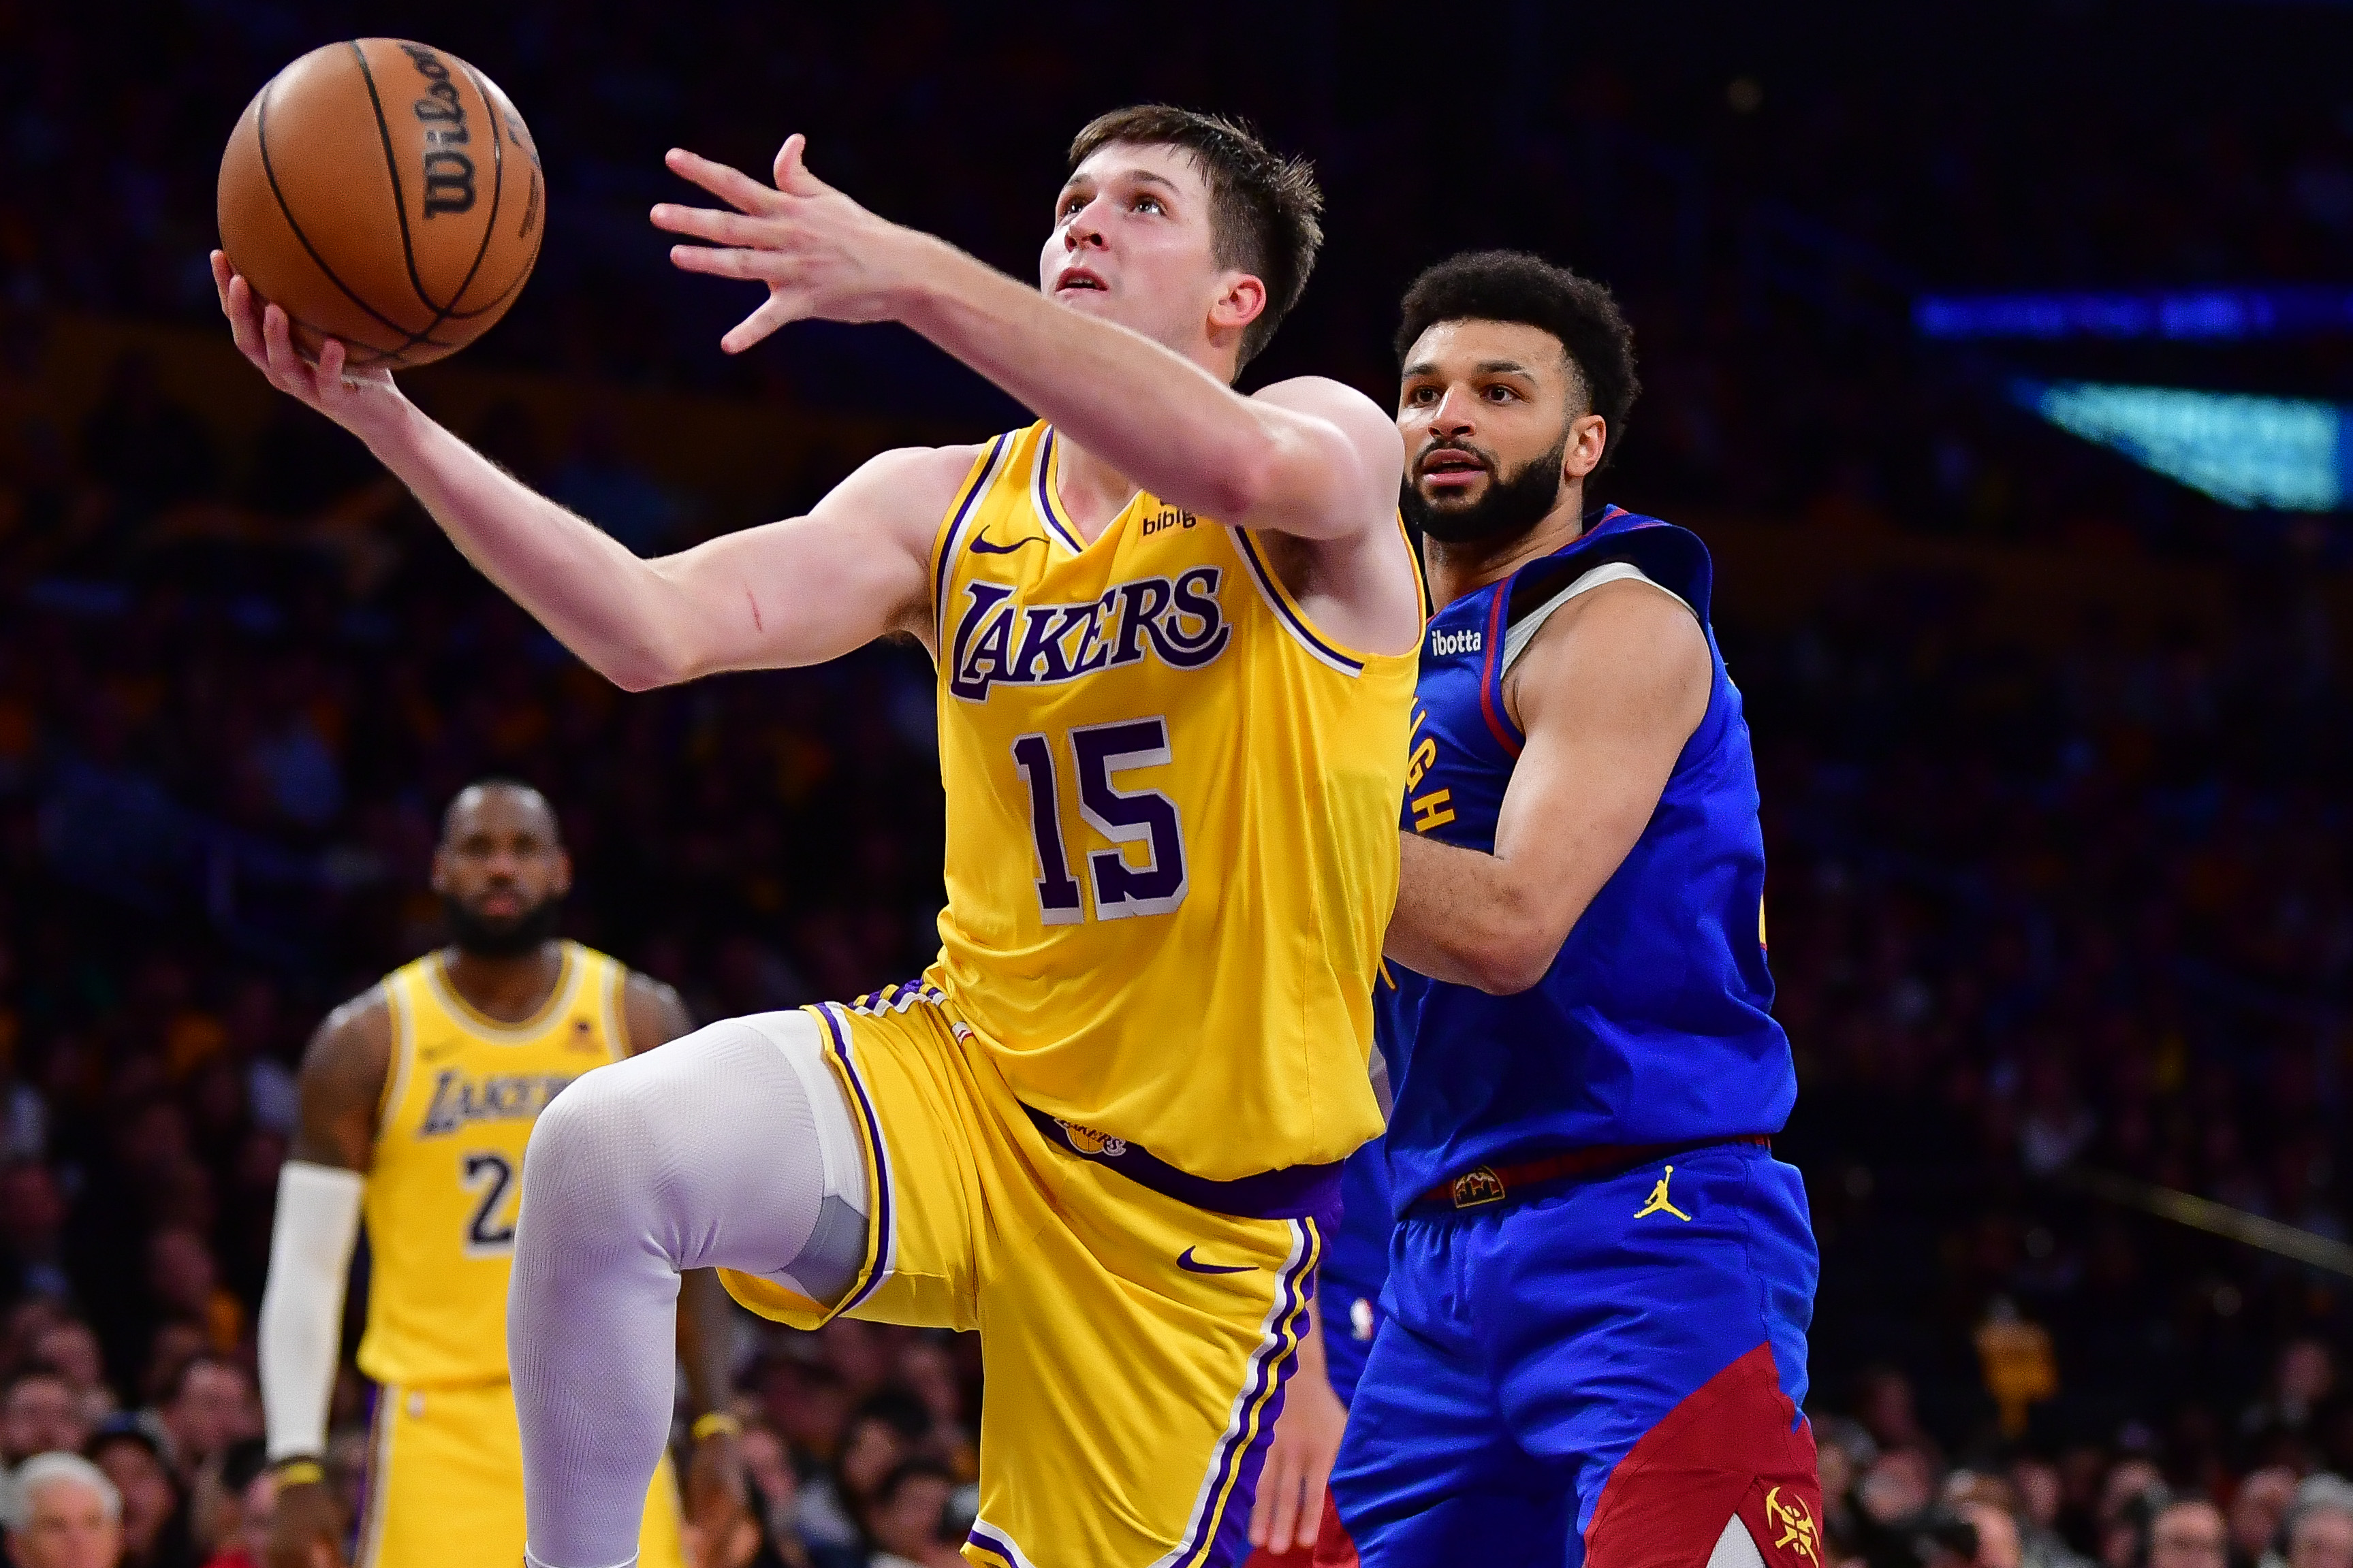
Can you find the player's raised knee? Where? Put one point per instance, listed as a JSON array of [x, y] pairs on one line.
[[599, 1121]]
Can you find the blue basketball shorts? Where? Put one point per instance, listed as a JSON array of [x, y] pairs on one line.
[[1603, 1371], [1351, 1316]]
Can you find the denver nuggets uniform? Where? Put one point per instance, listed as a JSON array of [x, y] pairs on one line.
[[1601, 1280], [1105, 1127], [445, 1464]]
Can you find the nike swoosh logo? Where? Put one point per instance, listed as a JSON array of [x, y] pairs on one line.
[[981, 546], [1186, 1261]]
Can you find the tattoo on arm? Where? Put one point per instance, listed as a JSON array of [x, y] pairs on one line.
[[343, 1080]]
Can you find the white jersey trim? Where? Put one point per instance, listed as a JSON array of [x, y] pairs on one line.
[[1523, 631]]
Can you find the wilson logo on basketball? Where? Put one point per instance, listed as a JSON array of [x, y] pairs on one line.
[[448, 174], [385, 193]]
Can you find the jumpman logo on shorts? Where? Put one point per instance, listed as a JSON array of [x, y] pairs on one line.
[[1658, 1203]]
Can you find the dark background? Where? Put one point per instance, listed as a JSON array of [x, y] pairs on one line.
[[2053, 750]]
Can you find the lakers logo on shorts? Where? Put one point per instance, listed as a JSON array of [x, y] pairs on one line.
[[1087, 1140], [1792, 1526]]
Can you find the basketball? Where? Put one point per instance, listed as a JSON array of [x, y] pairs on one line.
[[384, 194]]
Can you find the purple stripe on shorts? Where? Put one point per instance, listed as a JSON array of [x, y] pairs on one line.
[[1295, 1192], [996, 1545], [371, 1480], [881, 1164], [1228, 1525]]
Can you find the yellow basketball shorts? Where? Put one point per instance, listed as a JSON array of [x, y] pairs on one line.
[[444, 1484], [1134, 1344]]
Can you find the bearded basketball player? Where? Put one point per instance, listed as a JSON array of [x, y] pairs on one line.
[[1601, 1279], [417, 1097], [1175, 631]]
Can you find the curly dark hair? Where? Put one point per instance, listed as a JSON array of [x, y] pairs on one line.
[[1514, 285], [1266, 212]]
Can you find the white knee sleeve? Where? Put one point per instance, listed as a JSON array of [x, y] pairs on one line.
[[827, 1263], [731, 1147]]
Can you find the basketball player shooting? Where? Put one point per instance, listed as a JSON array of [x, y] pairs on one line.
[[1173, 628]]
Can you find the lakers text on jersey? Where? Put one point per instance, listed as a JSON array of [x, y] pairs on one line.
[[1171, 840], [458, 1105], [445, 1455]]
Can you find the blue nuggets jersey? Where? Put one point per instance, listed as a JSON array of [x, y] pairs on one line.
[[1651, 1025]]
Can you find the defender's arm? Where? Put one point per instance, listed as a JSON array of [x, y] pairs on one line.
[[299, 1331], [792, 593], [1607, 695], [1308, 457]]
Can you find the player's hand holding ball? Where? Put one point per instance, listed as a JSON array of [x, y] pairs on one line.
[[356, 399], [821, 255], [381, 206]]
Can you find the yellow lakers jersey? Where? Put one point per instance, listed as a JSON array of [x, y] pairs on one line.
[[458, 1105], [1172, 843]]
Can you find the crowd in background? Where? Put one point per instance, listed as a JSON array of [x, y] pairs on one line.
[[2038, 907]]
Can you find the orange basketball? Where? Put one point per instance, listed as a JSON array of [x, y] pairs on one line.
[[384, 194]]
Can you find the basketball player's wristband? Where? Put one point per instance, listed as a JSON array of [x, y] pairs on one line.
[[299, 1472], [717, 1424]]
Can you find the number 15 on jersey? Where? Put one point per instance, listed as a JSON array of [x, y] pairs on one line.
[[1147, 818]]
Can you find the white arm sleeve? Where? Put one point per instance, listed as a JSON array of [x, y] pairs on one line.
[[301, 1327]]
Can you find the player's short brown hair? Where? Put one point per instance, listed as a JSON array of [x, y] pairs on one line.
[[1266, 212]]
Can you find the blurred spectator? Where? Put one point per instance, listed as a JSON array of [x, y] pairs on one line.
[[2188, 1533], [2131, 1498], [2302, 1381], [1843, 1452], [1999, 1545], [2257, 1510], [2319, 1528], [775, 1502], [155, 1513], [882, 1435], [208, 1403], [235, 1499], [64, 1514], [908, 1519], [71, 1348], [32, 1216], [1900, 1485], [2034, 1482], [185, 1285], [39, 1414]]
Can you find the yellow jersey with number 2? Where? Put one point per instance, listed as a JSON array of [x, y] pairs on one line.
[[458, 1105], [1172, 843]]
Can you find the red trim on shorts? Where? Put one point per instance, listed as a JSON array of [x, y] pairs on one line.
[[1330, 1549], [1736, 1445]]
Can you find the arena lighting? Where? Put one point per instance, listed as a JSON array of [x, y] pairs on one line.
[[2175, 315], [2285, 453]]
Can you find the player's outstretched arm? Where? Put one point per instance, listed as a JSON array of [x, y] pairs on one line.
[[1607, 695], [1308, 457], [798, 591], [301, 1327]]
